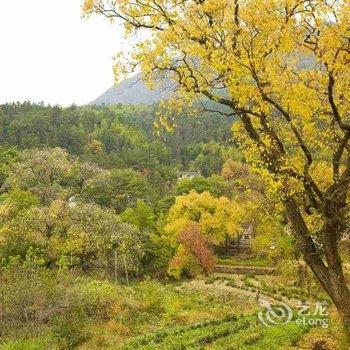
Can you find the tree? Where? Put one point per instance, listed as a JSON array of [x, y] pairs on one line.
[[41, 172], [50, 174], [272, 241], [218, 218], [209, 160], [241, 177], [117, 189], [141, 216], [83, 235], [282, 67], [214, 184], [193, 248], [233, 170]]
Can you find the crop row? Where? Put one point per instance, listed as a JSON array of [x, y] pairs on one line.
[[262, 338], [230, 333], [277, 292], [191, 336]]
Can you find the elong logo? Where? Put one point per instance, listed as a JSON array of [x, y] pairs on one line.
[[281, 313]]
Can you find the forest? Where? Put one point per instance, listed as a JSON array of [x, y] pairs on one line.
[[112, 226]]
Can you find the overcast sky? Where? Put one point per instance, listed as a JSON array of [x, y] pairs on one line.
[[49, 53]]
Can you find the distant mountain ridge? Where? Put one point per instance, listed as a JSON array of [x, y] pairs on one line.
[[132, 91]]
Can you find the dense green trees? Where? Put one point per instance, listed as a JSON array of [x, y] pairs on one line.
[[119, 136], [117, 189], [66, 173], [7, 157], [75, 179], [215, 184], [82, 184]]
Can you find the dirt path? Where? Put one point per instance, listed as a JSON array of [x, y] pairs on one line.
[[232, 269]]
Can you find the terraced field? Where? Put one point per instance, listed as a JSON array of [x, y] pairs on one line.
[[230, 333]]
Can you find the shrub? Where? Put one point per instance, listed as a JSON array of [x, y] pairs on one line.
[[70, 329], [37, 301]]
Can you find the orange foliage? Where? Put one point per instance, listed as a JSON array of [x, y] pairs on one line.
[[195, 245]]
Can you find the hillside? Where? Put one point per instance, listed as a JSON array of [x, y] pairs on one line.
[[131, 91]]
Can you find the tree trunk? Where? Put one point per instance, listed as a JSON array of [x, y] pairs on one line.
[[346, 325], [330, 276], [339, 292]]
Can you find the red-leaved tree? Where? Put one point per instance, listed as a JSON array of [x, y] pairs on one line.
[[193, 245]]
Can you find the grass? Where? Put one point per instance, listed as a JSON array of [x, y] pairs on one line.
[[81, 312], [38, 343], [154, 308], [77, 312]]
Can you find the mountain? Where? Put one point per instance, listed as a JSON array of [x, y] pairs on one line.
[[132, 91]]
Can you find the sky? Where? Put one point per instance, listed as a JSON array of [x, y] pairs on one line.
[[50, 54]]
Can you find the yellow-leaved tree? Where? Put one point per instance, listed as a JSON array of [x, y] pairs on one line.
[[280, 66], [219, 219], [195, 224]]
